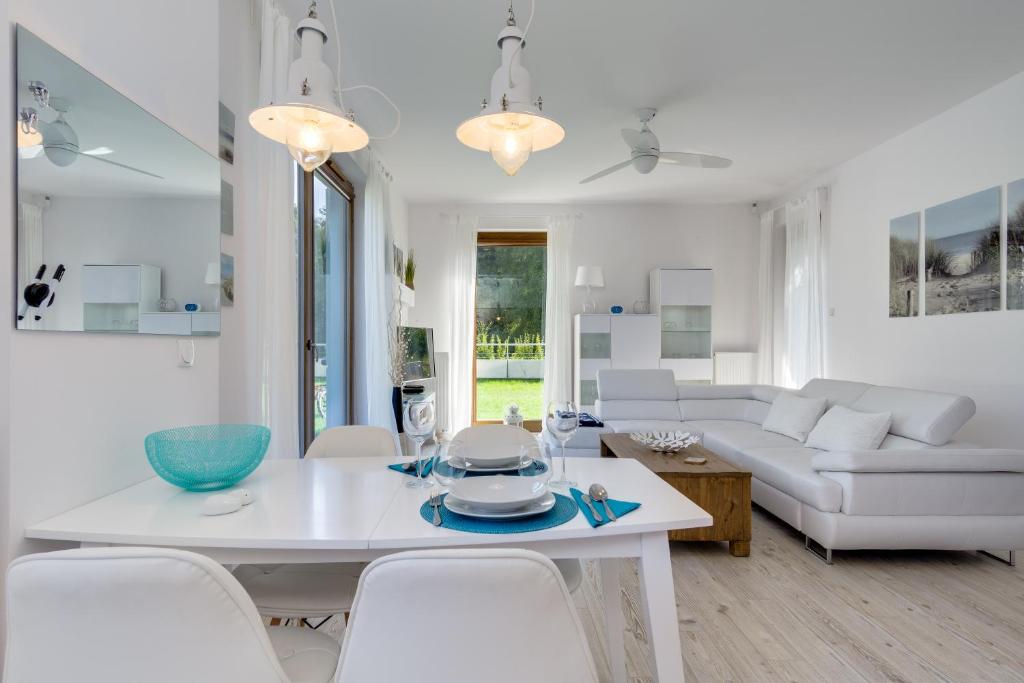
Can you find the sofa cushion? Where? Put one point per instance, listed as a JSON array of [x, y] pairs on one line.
[[927, 416], [789, 470], [744, 409], [794, 416], [636, 385], [729, 437], [842, 429], [930, 493], [836, 391], [636, 410], [628, 426]]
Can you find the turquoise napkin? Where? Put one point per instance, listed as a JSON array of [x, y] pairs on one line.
[[619, 507], [428, 464]]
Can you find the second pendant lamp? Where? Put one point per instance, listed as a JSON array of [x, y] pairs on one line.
[[510, 124]]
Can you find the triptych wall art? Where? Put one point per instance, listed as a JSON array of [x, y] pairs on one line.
[[954, 251]]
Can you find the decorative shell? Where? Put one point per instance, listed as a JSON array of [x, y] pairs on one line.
[[665, 442]]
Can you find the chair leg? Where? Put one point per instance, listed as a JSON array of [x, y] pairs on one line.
[[1010, 560], [825, 554]]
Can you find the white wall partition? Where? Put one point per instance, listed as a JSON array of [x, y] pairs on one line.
[[973, 146]]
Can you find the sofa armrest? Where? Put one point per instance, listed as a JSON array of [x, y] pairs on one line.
[[921, 460]]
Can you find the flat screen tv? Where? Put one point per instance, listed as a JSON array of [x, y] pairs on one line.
[[419, 356]]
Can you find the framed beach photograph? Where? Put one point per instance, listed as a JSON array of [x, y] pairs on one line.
[[227, 280], [226, 134], [962, 254], [1015, 245], [904, 250], [227, 208]]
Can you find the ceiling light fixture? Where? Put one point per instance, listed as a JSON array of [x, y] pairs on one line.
[[28, 129], [309, 120], [511, 124]]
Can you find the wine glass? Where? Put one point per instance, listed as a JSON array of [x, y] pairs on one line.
[[418, 420], [449, 465], [562, 421], [535, 463]]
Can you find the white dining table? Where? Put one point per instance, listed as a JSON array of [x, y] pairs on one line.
[[355, 509]]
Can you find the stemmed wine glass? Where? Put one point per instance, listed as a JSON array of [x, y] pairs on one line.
[[418, 420], [562, 421]]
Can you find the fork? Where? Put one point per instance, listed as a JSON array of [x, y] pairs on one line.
[[435, 503]]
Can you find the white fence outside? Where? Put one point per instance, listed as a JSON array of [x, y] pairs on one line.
[[510, 368]]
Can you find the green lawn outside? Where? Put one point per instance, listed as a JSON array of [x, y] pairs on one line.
[[494, 395]]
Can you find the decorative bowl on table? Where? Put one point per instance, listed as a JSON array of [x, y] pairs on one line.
[[207, 457], [665, 442]]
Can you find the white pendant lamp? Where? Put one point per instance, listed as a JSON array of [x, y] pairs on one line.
[[309, 120], [28, 129], [511, 124]]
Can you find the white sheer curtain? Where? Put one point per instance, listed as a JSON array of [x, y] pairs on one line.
[[804, 351], [277, 335], [766, 300], [30, 254], [462, 303], [558, 311], [377, 297]]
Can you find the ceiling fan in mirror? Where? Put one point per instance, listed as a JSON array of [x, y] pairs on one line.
[[56, 139]]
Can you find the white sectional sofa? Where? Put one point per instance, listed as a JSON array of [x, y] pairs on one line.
[[919, 489]]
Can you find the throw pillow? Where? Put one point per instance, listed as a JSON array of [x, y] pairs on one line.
[[842, 429], [793, 416]]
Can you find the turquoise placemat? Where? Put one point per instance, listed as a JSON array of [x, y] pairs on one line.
[[564, 510]]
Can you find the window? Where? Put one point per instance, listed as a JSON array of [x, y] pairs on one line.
[[324, 204], [510, 293]]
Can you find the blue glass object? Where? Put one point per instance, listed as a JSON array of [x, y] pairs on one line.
[[207, 457], [616, 309]]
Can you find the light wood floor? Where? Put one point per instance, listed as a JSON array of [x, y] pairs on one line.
[[784, 615]]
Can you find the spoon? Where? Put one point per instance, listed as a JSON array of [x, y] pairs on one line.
[[600, 494]]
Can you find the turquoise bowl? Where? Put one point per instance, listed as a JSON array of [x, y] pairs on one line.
[[207, 457]]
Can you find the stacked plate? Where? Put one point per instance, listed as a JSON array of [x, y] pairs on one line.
[[499, 497]]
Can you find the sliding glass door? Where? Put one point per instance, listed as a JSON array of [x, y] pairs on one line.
[[325, 291], [510, 292]]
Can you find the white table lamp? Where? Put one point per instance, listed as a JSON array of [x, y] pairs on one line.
[[589, 277]]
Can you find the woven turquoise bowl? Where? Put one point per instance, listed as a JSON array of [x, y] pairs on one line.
[[207, 457]]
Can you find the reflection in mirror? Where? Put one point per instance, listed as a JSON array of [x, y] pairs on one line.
[[118, 214]]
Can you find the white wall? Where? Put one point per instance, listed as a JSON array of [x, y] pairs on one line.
[[81, 404], [976, 145], [627, 241]]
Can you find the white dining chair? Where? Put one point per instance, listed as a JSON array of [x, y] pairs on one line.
[[317, 590], [441, 616], [74, 615], [499, 437]]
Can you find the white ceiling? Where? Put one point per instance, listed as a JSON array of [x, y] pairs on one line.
[[103, 117], [786, 88]]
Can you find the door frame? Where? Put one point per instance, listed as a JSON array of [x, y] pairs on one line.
[[506, 238], [307, 410]]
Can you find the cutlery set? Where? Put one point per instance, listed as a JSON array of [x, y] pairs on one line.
[[600, 494]]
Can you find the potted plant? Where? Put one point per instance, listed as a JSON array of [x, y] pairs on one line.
[[410, 270]]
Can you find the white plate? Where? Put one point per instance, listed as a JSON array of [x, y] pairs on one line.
[[490, 466], [537, 507], [498, 493], [487, 462]]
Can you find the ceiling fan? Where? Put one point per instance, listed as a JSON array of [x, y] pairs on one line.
[[60, 141], [645, 153]]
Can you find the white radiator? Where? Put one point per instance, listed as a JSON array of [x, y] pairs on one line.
[[735, 367], [443, 397]]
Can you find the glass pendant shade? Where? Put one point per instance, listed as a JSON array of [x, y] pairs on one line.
[[308, 120], [28, 130]]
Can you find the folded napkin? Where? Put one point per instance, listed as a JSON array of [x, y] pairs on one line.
[[428, 464], [619, 507]]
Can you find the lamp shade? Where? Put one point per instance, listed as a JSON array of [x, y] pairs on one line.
[[589, 276], [212, 273]]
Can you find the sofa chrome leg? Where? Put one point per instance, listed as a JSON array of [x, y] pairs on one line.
[[1011, 560], [824, 554]]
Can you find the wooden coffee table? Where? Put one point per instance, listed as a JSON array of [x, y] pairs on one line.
[[722, 489]]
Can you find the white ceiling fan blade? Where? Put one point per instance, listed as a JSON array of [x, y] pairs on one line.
[[633, 138], [611, 169], [695, 160], [125, 166]]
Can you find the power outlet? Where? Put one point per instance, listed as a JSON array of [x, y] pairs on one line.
[[186, 353]]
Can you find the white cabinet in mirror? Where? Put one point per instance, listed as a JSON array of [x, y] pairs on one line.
[[118, 214]]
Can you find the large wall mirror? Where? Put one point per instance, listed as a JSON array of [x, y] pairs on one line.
[[118, 227]]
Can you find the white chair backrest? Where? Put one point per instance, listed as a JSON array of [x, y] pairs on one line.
[[354, 441], [99, 615], [439, 616], [492, 439]]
